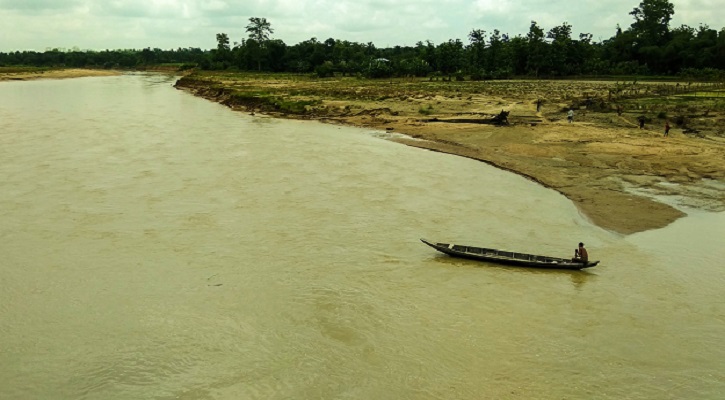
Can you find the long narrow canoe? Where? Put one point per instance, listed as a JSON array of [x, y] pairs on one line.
[[508, 257]]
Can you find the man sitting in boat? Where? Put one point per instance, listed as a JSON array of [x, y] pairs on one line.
[[580, 254]]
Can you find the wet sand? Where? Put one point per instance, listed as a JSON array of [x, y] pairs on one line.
[[598, 167], [624, 179]]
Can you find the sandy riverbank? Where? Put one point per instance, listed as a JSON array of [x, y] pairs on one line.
[[622, 178], [30, 74]]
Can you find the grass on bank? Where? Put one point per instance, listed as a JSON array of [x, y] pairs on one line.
[[301, 93], [357, 88], [24, 70]]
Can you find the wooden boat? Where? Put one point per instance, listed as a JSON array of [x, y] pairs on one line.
[[508, 257]]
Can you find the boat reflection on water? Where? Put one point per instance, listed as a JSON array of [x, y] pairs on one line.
[[578, 277]]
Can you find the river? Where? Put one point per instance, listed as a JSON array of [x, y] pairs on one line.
[[157, 245]]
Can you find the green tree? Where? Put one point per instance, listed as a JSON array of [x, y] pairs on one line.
[[651, 27], [495, 61], [276, 52], [222, 56], [704, 45], [652, 21], [147, 56], [449, 57], [537, 60], [259, 30], [253, 54], [518, 48], [427, 52], [477, 37], [586, 55], [561, 50], [222, 41]]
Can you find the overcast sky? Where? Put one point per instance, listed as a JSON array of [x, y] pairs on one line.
[[120, 24]]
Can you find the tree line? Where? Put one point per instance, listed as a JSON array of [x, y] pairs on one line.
[[649, 46]]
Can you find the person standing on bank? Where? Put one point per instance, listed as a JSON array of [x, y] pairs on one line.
[[667, 128], [580, 254], [570, 115]]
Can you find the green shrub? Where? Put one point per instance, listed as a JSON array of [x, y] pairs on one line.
[[186, 66], [426, 110], [325, 70], [379, 69]]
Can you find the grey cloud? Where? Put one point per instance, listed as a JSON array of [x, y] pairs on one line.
[[38, 24], [139, 9], [28, 6]]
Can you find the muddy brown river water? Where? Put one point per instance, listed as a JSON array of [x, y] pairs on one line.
[[157, 245]]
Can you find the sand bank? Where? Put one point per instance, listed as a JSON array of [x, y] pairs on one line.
[[30, 74]]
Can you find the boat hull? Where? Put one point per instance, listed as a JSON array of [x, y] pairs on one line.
[[508, 257]]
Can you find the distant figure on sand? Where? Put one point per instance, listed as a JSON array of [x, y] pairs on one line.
[[640, 119], [667, 128], [580, 254], [570, 115], [538, 105]]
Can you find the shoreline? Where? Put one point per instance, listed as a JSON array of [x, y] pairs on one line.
[[615, 174], [65, 73], [593, 161]]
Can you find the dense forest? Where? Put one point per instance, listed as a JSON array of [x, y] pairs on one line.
[[649, 46]]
